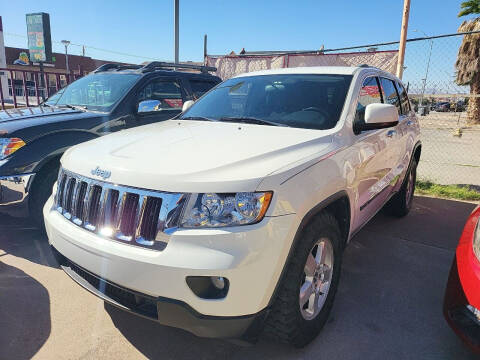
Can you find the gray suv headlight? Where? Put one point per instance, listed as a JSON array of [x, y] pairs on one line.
[[220, 210]]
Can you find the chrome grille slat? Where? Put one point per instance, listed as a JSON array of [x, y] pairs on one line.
[[142, 202], [79, 202], [135, 216], [64, 193]]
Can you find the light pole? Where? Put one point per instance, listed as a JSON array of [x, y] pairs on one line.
[[66, 43], [176, 26], [428, 66]]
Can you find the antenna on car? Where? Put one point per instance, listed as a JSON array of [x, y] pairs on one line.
[[154, 65]]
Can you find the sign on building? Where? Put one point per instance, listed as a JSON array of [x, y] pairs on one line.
[[39, 40]]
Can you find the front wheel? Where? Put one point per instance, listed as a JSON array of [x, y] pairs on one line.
[[306, 293], [40, 192]]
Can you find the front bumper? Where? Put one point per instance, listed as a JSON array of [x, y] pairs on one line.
[[461, 319], [250, 257], [14, 191], [166, 311]]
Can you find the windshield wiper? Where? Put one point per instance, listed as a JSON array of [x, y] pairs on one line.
[[196, 118], [250, 120]]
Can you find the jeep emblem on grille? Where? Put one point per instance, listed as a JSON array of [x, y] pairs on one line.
[[104, 174]]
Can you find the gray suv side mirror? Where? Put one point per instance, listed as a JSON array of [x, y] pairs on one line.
[[147, 106]]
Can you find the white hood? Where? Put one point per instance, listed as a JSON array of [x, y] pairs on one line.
[[196, 156]]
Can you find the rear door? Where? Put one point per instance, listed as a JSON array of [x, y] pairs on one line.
[[398, 133], [407, 129], [199, 86]]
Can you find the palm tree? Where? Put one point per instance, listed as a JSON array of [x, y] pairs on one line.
[[468, 60]]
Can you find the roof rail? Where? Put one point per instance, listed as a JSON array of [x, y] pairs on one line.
[[151, 66], [106, 67]]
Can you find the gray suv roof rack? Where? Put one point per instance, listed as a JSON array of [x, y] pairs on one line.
[[110, 66], [154, 65]]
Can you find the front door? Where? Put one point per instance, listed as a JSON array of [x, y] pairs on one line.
[[170, 96], [378, 156]]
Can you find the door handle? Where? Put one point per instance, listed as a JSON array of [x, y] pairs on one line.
[[390, 133]]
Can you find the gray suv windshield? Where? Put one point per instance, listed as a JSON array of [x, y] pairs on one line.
[[98, 92], [307, 101]]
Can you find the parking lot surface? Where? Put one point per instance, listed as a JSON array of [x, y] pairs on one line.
[[389, 303]]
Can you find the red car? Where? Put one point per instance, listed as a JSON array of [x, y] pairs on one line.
[[462, 297]]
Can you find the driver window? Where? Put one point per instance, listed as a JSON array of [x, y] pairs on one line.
[[369, 94], [168, 92]]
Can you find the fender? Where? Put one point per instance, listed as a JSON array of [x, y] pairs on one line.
[[306, 219], [31, 157], [417, 145]]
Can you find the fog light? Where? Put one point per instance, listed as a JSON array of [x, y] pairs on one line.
[[474, 311], [218, 282], [208, 287]]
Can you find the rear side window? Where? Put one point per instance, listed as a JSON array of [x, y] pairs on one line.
[[200, 87], [168, 92], [403, 98], [390, 93], [369, 94]]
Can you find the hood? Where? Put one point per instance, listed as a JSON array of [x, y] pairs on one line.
[[195, 156], [16, 119]]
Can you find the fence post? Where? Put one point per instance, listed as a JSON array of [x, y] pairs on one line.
[[25, 92], [12, 81], [35, 78], [1, 94], [46, 87], [57, 81]]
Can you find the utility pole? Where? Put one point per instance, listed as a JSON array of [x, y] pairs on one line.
[[205, 49], [176, 25], [403, 38]]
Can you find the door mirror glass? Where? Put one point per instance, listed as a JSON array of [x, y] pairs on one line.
[[187, 104], [147, 106], [378, 116]]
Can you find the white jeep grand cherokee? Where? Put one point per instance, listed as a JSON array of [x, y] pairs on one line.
[[232, 217]]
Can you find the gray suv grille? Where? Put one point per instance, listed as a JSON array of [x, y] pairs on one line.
[[136, 216]]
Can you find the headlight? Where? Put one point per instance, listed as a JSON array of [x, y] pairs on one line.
[[9, 145], [219, 210], [476, 240]]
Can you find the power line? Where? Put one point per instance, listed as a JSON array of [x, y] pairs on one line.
[[91, 47]]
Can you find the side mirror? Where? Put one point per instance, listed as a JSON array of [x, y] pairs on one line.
[[379, 116], [187, 105], [147, 106]]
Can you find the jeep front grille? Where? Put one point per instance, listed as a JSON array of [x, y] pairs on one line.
[[135, 216]]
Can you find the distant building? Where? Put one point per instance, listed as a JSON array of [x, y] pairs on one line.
[[18, 59]]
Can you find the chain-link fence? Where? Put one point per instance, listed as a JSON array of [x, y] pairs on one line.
[[451, 147]]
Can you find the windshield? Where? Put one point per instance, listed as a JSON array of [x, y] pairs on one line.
[[98, 92], [297, 100]]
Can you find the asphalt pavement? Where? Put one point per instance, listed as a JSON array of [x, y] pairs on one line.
[[389, 303]]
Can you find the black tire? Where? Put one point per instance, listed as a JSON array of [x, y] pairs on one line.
[[285, 321], [401, 203], [41, 191]]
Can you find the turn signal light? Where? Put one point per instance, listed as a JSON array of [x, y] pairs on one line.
[[9, 145]]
